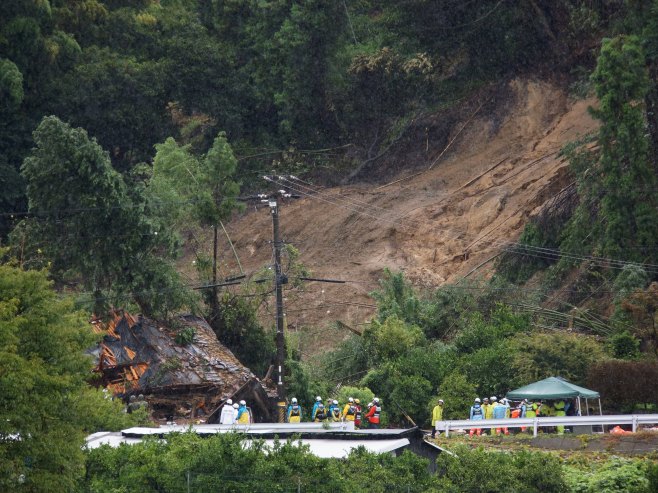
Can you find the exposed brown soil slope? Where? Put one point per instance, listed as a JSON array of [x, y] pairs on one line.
[[437, 226]]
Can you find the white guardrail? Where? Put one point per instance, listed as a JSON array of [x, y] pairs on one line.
[[535, 423]]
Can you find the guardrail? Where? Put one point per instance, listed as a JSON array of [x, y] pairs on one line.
[[535, 423]]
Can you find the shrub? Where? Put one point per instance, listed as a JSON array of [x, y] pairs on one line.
[[624, 384]]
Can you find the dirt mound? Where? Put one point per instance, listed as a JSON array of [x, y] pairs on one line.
[[437, 226]]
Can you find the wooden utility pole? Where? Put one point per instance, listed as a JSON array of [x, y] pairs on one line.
[[279, 281]]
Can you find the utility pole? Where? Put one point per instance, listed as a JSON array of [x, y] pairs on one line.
[[279, 281]]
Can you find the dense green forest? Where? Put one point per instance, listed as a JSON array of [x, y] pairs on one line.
[[124, 125]]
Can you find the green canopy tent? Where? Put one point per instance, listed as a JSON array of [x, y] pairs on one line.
[[555, 388]]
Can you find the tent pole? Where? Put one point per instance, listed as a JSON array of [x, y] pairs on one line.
[[600, 409], [580, 409], [586, 406]]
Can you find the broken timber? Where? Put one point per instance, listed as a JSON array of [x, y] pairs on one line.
[[140, 356]]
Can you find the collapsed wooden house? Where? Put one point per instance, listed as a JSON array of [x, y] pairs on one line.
[[184, 372]]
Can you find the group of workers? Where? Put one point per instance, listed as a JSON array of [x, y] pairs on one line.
[[492, 408], [352, 412], [235, 414]]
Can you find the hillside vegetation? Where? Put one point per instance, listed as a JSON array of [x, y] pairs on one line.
[[482, 174]]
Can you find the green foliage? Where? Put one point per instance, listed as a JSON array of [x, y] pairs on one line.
[[364, 394], [238, 329], [229, 462], [45, 402], [630, 278], [392, 337], [613, 475], [617, 214], [11, 86], [458, 394], [94, 227], [185, 336], [484, 471], [542, 355], [624, 345], [481, 333]]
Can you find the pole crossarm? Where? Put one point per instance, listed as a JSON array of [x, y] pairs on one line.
[[608, 420]]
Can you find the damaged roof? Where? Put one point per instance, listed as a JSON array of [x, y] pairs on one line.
[[137, 353]]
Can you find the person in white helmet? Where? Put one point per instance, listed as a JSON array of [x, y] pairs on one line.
[[489, 411], [334, 411], [476, 414], [318, 401], [226, 416], [349, 411], [243, 414], [437, 415], [294, 411], [374, 414], [235, 413]]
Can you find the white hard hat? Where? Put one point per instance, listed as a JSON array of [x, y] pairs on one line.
[[243, 403], [235, 406], [440, 400], [229, 402], [477, 399], [294, 400], [376, 400], [493, 398], [335, 401], [318, 398], [351, 399]]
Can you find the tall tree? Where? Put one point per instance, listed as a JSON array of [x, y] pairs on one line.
[[91, 227], [45, 401], [618, 211], [205, 187]]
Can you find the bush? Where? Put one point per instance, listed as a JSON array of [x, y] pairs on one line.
[[185, 336], [487, 471], [624, 384], [539, 355], [458, 394]]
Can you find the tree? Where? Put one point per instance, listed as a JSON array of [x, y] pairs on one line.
[[93, 229], [203, 189], [618, 204], [537, 356], [45, 401]]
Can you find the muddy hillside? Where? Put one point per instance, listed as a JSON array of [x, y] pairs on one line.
[[443, 221]]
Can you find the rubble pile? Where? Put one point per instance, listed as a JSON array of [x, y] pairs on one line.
[[181, 368]]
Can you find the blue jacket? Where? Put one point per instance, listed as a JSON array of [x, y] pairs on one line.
[[294, 410], [477, 412], [242, 412], [500, 411], [315, 409]]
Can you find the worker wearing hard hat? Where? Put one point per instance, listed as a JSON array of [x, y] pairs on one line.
[[476, 414], [318, 401], [243, 414], [349, 410], [501, 411], [320, 414], [488, 412], [437, 415], [235, 412], [334, 411], [294, 411], [226, 416], [374, 414], [359, 413]]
